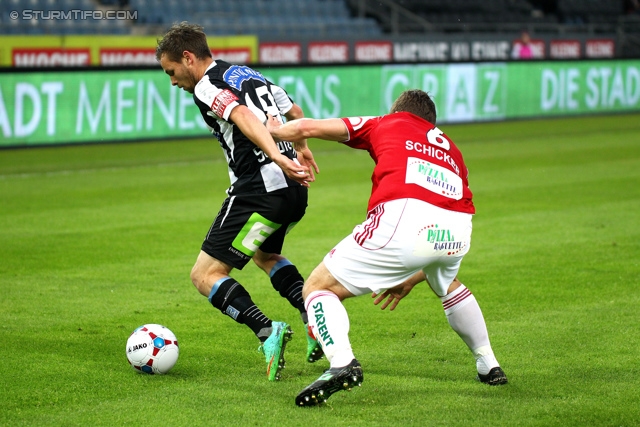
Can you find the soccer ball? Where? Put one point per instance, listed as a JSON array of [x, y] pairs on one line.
[[152, 349]]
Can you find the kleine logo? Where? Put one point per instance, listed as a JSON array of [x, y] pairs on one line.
[[222, 101], [280, 53], [563, 49], [604, 48], [374, 51], [328, 52]]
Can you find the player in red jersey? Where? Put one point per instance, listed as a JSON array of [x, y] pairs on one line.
[[418, 228]]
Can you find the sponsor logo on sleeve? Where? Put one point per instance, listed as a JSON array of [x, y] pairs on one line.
[[222, 101]]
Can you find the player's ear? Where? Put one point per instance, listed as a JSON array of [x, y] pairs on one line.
[[187, 57]]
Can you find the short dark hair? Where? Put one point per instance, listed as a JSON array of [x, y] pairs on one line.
[[181, 37], [417, 102]]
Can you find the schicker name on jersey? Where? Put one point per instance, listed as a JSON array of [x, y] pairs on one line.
[[431, 151]]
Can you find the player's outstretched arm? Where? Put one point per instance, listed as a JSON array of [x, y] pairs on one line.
[[300, 129], [254, 129], [304, 154]]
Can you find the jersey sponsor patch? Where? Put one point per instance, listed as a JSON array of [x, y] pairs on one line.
[[222, 101], [433, 178], [238, 74], [256, 230]]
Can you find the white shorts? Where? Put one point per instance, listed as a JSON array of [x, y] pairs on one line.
[[398, 239]]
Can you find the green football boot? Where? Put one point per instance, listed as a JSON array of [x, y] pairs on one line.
[[314, 349], [273, 349]]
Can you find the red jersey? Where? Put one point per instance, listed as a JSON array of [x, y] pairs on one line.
[[414, 159]]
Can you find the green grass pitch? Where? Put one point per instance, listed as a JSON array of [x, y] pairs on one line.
[[96, 240]]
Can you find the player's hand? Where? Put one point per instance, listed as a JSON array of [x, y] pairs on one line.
[[305, 157], [293, 170], [303, 153], [391, 297], [272, 124]]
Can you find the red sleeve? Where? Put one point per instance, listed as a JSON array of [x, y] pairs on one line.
[[360, 129]]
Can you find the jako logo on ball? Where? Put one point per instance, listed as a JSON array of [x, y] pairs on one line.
[[152, 349], [137, 347]]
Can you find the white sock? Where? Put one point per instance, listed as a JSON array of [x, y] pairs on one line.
[[465, 317], [485, 360], [329, 323]]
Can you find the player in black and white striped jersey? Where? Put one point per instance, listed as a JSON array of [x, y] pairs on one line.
[[226, 86], [268, 192]]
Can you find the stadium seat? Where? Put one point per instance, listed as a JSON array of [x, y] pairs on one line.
[[273, 19]]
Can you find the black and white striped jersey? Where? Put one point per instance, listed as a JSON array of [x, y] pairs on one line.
[[224, 87]]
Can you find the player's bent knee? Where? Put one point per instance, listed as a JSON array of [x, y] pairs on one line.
[[195, 275], [454, 285], [306, 290], [199, 280], [322, 280]]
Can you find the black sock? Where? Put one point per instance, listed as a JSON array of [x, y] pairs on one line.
[[288, 281], [232, 299]]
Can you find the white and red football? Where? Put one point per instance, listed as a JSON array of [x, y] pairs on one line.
[[152, 349]]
